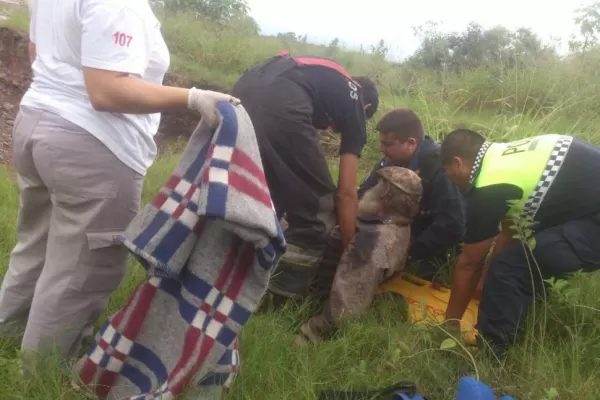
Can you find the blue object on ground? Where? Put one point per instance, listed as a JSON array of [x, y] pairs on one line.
[[472, 389], [404, 396]]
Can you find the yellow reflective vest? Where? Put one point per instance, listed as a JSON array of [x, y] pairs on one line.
[[531, 164]]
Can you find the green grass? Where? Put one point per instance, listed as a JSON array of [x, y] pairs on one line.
[[379, 348], [561, 351], [17, 17]]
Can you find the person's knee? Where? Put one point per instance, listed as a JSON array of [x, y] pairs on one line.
[[507, 274], [505, 297], [509, 264], [567, 248]]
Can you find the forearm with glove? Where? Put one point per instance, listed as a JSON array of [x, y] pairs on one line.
[[204, 101], [120, 93]]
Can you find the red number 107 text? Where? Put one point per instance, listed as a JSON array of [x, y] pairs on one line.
[[122, 39]]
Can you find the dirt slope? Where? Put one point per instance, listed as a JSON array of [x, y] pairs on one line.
[[15, 76]]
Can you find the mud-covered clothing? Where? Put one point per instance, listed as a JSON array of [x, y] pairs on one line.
[[376, 252], [287, 98], [552, 179], [440, 224], [307, 271]]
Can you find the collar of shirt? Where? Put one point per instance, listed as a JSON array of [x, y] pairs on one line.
[[476, 169], [413, 165]]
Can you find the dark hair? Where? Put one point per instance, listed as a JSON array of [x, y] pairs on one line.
[[369, 94], [403, 123], [463, 143]]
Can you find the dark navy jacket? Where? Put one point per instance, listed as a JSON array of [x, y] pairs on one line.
[[441, 222]]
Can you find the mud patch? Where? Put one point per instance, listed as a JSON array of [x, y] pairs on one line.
[[15, 76], [181, 123]]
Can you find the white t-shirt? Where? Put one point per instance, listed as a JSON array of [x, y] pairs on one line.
[[115, 35]]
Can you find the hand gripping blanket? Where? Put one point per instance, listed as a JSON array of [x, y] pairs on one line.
[[209, 241]]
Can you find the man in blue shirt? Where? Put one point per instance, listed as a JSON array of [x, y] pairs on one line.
[[440, 224]]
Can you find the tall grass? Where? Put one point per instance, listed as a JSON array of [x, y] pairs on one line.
[[559, 355], [567, 86], [373, 351]]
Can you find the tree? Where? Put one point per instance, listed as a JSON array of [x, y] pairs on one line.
[[217, 10], [333, 48], [380, 50], [476, 47], [433, 52], [287, 37], [588, 20]]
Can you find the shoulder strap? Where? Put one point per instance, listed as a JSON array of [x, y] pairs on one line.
[[317, 60]]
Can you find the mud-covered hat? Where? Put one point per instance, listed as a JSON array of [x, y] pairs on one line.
[[403, 191], [403, 179]]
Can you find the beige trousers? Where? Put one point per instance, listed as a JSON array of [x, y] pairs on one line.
[[75, 195]]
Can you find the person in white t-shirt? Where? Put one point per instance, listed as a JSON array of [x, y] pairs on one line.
[[82, 143]]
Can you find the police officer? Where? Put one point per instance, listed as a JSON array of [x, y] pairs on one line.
[[288, 98], [440, 224], [548, 180]]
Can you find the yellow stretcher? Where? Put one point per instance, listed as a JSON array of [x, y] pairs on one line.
[[427, 303]]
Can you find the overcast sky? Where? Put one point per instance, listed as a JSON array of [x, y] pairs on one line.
[[391, 20]]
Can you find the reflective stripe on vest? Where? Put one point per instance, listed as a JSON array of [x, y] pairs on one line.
[[531, 164], [312, 60]]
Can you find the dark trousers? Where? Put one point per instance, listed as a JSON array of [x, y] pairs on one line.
[[295, 166], [508, 288], [434, 267]]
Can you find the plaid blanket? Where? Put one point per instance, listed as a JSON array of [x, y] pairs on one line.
[[209, 241]]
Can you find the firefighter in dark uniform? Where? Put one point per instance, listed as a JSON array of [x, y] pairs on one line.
[[440, 225], [288, 98], [548, 182]]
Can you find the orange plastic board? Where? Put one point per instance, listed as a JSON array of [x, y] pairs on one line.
[[427, 303]]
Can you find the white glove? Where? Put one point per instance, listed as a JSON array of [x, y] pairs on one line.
[[204, 101]]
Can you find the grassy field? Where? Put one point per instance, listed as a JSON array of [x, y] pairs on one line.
[[560, 357]]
